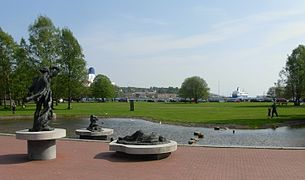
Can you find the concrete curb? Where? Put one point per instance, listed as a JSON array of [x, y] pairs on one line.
[[184, 145]]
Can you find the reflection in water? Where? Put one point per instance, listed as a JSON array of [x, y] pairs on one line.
[[280, 137]]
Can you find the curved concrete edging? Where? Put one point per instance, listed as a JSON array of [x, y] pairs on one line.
[[245, 147], [85, 132], [187, 145], [25, 134], [143, 149], [7, 134], [97, 135]]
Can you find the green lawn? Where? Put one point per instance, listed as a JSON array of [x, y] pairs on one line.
[[252, 114]]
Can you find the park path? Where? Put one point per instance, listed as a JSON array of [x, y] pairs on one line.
[[92, 160]]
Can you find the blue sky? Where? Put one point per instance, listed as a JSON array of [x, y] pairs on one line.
[[230, 44]]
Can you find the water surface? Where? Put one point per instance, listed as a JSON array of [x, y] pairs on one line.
[[280, 137]]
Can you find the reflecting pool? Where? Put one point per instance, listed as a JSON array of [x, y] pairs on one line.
[[280, 137]]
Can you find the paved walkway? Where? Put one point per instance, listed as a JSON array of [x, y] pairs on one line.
[[92, 160]]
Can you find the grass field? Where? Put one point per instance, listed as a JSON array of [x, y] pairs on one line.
[[245, 114]]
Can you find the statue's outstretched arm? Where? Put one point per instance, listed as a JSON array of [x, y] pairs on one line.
[[36, 96]]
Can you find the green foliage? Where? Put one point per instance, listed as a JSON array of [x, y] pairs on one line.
[[194, 88], [277, 91], [294, 71], [102, 87], [24, 71], [118, 91], [7, 50], [48, 46], [44, 40], [72, 65]]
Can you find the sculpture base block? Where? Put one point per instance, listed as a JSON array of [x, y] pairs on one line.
[[41, 145], [42, 150], [93, 137], [143, 156], [158, 151], [96, 135]]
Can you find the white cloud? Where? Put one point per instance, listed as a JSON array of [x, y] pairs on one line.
[[130, 45], [286, 32], [136, 44], [259, 45], [262, 18]]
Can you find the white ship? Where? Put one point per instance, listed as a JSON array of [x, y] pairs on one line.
[[239, 93]]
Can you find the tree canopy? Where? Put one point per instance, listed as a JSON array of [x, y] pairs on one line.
[[44, 40], [294, 73], [277, 91], [47, 46], [102, 87], [72, 65], [194, 88], [7, 50], [23, 72]]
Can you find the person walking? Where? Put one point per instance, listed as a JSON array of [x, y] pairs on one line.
[[13, 108], [273, 111]]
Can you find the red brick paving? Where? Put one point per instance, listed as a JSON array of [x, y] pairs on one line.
[[92, 160]]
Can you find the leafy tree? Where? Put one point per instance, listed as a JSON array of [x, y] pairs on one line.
[[194, 88], [173, 90], [102, 87], [277, 91], [73, 65], [48, 46], [24, 71], [118, 91], [44, 42], [294, 71], [7, 48], [271, 92]]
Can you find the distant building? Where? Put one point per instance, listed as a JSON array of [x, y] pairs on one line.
[[144, 95], [91, 74], [167, 96], [239, 93], [90, 77], [150, 95]]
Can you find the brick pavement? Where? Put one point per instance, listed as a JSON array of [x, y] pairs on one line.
[[92, 160]]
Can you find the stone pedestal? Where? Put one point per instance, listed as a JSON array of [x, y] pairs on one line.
[[158, 151], [41, 145], [97, 135]]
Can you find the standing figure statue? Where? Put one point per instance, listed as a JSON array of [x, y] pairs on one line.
[[40, 92]]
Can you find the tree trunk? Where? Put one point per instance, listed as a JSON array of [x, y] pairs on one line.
[[69, 99], [10, 96], [69, 90], [297, 102], [4, 99], [69, 102]]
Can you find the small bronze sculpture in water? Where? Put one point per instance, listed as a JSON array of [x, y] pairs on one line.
[[40, 92], [139, 138], [93, 124]]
